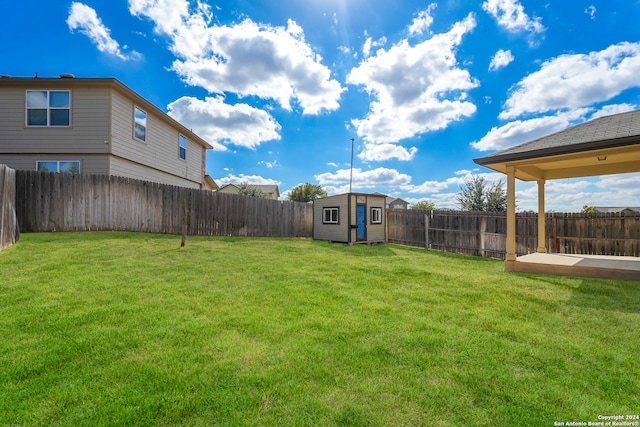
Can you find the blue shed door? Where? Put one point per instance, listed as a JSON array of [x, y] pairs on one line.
[[361, 221]]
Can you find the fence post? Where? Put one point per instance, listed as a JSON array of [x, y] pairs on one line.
[[482, 230], [426, 229], [185, 221]]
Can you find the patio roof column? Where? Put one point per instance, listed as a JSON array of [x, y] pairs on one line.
[[541, 218], [511, 215]]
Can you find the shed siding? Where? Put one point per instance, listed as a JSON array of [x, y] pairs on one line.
[[332, 232], [87, 133], [343, 232], [376, 232]]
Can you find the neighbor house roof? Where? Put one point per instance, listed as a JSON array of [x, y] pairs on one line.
[[267, 189], [390, 200], [616, 209], [69, 81], [601, 146]]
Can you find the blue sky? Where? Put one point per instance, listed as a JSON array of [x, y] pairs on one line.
[[280, 87]]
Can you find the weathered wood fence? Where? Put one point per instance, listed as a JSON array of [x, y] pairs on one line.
[[8, 223], [43, 201], [484, 234], [67, 202]]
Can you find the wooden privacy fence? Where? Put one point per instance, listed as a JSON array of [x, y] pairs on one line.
[[484, 233], [67, 202], [44, 201], [8, 223]]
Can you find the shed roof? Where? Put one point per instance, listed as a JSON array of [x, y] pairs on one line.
[[605, 145]]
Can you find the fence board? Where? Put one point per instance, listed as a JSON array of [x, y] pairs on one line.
[[8, 224], [63, 202], [484, 234], [66, 202]]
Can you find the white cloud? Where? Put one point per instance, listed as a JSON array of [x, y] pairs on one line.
[[269, 165], [431, 188], [423, 21], [570, 195], [591, 11], [521, 131], [510, 15], [247, 58], [416, 89], [370, 44], [338, 182], [381, 152], [608, 110], [249, 179], [501, 59], [168, 15], [85, 19], [626, 185], [219, 123], [573, 81], [259, 60], [564, 195]]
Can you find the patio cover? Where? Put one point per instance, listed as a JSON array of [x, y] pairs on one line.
[[606, 145]]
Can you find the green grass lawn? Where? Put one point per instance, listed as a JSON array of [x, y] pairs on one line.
[[106, 328]]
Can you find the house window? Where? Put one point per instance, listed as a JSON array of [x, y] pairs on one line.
[[58, 166], [376, 215], [140, 124], [48, 108], [330, 215], [183, 147]]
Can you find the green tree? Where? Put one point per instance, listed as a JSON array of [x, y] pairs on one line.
[[247, 189], [477, 195], [306, 193], [424, 205], [496, 198]]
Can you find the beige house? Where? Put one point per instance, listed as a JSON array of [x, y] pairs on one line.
[[271, 191], [394, 203], [95, 126], [350, 218]]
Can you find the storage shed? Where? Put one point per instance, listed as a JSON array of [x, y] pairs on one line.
[[350, 218]]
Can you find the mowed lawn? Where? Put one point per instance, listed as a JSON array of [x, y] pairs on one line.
[[109, 328]]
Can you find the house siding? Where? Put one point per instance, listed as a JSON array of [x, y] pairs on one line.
[[129, 169], [89, 124], [160, 150], [93, 164], [100, 134]]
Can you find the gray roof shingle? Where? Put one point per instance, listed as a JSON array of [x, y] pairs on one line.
[[609, 131]]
